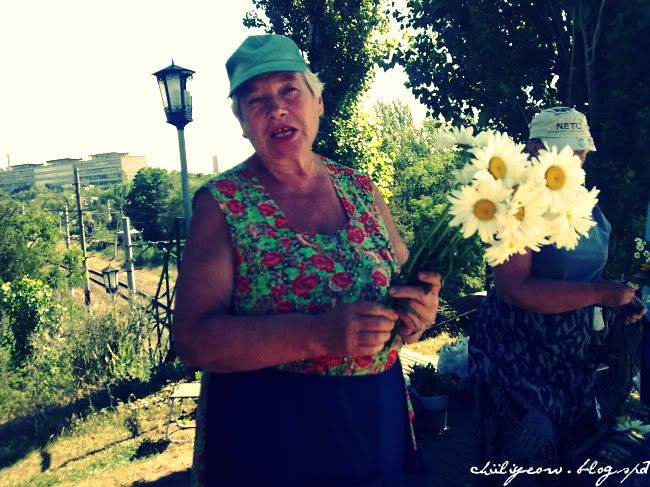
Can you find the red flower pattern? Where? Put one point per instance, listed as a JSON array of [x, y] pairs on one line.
[[281, 222], [380, 278], [356, 235], [349, 207], [322, 262], [236, 207], [294, 270], [342, 279], [226, 187], [243, 284], [266, 209], [364, 361], [301, 285], [364, 183], [271, 259]]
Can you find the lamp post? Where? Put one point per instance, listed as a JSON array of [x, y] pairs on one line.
[[177, 103], [111, 282]]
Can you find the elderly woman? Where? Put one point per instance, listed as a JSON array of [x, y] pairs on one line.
[[528, 353], [287, 264]]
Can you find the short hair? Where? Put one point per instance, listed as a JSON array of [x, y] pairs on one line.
[[314, 84]]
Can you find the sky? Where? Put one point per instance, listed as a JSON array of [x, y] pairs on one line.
[[76, 79]]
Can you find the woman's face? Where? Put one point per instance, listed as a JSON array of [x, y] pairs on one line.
[[280, 115], [535, 145]]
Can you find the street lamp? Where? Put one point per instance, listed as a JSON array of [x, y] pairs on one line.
[[111, 282], [177, 103]]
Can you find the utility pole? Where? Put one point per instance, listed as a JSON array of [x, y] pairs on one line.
[[128, 254], [109, 220], [82, 235], [67, 229]]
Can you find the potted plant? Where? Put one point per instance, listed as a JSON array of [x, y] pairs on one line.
[[430, 391]]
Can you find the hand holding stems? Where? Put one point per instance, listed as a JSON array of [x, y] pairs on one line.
[[420, 308], [355, 329], [633, 311]]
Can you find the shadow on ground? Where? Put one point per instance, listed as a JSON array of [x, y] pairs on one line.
[[33, 432], [171, 480]]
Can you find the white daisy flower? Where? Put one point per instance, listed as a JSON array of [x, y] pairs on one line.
[[501, 250], [502, 158], [466, 174], [567, 227], [456, 136], [481, 139], [563, 174], [523, 221], [475, 207]]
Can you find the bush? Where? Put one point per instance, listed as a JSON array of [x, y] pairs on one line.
[[111, 348]]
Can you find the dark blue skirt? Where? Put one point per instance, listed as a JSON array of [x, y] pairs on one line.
[[269, 427]]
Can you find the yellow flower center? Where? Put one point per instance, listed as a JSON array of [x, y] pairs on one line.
[[484, 210], [520, 213], [497, 167], [555, 177]]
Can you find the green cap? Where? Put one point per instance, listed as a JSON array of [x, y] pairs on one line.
[[562, 126], [263, 54]]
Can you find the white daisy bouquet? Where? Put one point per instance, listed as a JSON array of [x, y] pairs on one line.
[[515, 203], [512, 202]]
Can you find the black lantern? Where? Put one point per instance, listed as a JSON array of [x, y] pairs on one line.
[[111, 282], [177, 101]]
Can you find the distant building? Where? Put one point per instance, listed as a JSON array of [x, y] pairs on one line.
[[57, 172], [105, 169], [18, 176], [100, 169]]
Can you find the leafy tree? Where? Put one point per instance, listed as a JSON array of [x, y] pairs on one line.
[[495, 64], [26, 306], [146, 201], [28, 240], [344, 40]]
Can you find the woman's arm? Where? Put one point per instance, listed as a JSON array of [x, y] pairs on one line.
[[515, 285], [209, 336]]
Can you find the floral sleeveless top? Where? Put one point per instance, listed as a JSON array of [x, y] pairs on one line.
[[280, 270]]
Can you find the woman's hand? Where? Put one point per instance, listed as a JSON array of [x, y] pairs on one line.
[[356, 329], [421, 307], [613, 293], [632, 311]]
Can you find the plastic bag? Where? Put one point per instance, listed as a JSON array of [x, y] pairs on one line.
[[452, 358]]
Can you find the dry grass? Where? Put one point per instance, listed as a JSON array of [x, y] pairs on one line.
[[431, 346], [101, 451]]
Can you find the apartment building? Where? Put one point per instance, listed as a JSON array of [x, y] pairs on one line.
[[99, 169]]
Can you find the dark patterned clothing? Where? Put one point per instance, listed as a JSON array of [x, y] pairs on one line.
[[535, 372], [318, 421], [542, 357], [510, 429]]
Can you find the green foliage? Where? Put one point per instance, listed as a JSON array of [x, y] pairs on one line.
[[569, 53], [110, 348], [423, 179], [427, 381], [26, 308], [28, 240], [146, 201], [344, 40]]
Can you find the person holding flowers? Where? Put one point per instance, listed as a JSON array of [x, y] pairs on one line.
[[282, 296], [528, 353]]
